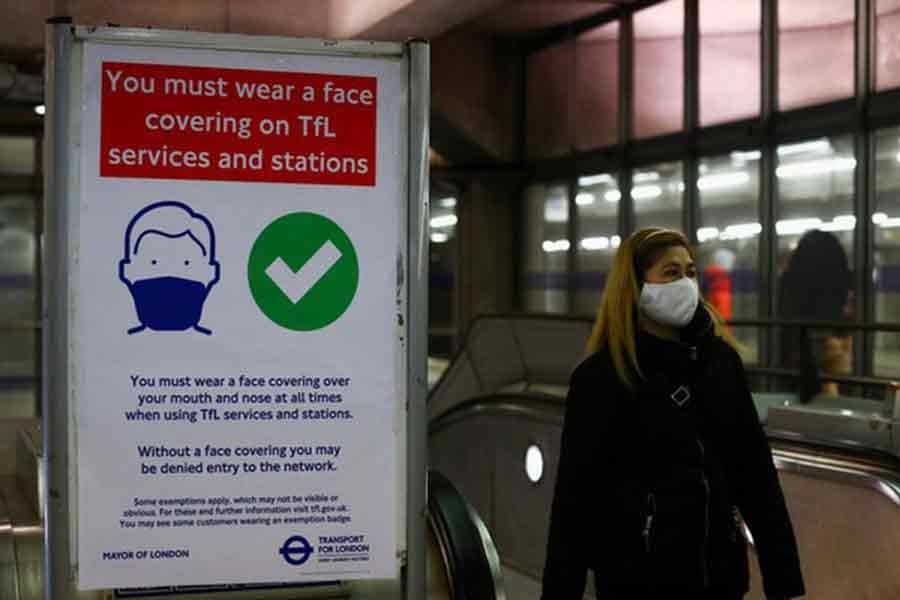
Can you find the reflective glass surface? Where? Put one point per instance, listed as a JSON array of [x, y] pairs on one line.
[[729, 60], [885, 223], [656, 192], [816, 51], [728, 240], [815, 228], [597, 203], [659, 69], [596, 87], [545, 273]]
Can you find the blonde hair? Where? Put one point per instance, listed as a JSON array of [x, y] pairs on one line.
[[616, 323]]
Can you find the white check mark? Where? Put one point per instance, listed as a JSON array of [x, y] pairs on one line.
[[296, 285]]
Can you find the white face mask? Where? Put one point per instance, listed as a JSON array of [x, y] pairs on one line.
[[672, 303]]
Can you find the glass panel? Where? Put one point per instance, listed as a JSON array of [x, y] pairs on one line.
[[545, 277], [815, 227], [549, 101], [597, 203], [441, 277], [887, 46], [816, 51], [728, 240], [596, 87], [18, 308], [886, 239], [17, 155], [656, 192], [658, 69], [729, 60]]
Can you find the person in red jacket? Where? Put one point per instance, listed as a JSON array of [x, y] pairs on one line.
[[717, 282]]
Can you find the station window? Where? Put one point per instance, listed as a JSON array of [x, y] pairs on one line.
[[659, 69], [545, 279], [729, 60], [656, 194], [887, 45], [596, 85], [886, 239], [19, 331], [728, 240], [815, 52], [597, 203], [443, 252]]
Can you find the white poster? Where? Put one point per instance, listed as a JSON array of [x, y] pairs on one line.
[[235, 331]]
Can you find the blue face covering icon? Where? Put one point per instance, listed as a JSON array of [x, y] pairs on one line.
[[169, 266]]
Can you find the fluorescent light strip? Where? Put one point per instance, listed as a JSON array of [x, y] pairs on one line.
[[816, 167], [595, 243], [584, 198], [720, 181], [555, 245], [439, 238], [595, 179], [820, 145], [646, 192], [644, 177], [443, 221], [447, 202]]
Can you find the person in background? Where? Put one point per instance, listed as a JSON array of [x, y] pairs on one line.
[[717, 282], [661, 447], [816, 286]]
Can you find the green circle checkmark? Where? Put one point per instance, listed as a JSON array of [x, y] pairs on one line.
[[303, 271]]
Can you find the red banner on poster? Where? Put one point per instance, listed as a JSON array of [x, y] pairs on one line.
[[176, 122]]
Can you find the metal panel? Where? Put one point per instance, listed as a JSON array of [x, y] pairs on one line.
[[417, 320]]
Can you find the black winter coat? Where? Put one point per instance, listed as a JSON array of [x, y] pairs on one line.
[[649, 482]]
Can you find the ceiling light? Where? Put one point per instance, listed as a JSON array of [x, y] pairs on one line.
[[584, 198], [745, 156], [646, 192], [704, 234], [40, 109], [447, 202], [443, 221], [595, 243], [816, 167], [820, 145], [645, 176], [555, 245], [723, 180], [740, 231], [796, 226], [612, 196], [879, 218], [594, 179], [439, 238]]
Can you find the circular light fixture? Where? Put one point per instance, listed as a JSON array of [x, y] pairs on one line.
[[534, 463]]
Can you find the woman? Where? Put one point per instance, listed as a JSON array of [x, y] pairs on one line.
[[805, 295], [661, 447]]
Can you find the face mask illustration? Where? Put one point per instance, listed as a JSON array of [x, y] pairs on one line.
[[672, 303], [169, 266]]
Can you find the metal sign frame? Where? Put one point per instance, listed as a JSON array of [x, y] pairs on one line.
[[62, 158]]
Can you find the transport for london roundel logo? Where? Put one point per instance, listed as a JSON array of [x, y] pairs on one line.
[[303, 271]]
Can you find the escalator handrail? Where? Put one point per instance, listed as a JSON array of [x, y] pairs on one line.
[[869, 470], [469, 553], [527, 404]]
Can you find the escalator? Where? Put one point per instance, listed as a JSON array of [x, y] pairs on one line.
[[500, 402]]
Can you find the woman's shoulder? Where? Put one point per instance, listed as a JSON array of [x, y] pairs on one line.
[[597, 365]]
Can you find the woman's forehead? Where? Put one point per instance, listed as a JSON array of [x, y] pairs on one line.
[[677, 254]]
